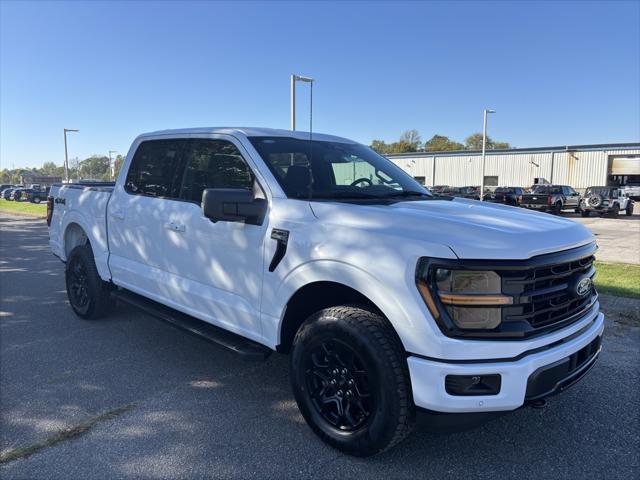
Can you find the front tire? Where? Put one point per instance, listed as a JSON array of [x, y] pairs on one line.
[[88, 294], [351, 381]]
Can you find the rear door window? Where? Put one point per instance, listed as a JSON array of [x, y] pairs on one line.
[[153, 170], [213, 164]]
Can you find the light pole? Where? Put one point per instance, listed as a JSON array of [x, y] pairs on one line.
[[484, 149], [296, 78], [66, 158], [111, 172]]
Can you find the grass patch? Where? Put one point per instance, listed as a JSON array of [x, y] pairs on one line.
[[619, 279], [24, 208], [62, 435]]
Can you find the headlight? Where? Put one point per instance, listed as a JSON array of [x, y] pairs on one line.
[[471, 299]]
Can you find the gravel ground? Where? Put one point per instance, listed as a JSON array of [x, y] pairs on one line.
[[144, 400]]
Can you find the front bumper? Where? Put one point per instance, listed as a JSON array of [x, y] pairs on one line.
[[428, 376]]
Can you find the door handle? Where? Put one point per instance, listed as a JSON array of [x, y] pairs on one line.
[[174, 227], [119, 214]]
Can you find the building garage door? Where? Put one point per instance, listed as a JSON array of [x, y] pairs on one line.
[[625, 165]]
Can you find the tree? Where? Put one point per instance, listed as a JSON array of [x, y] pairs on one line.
[[51, 169], [95, 167], [411, 137], [474, 142], [380, 146], [117, 165], [440, 143]]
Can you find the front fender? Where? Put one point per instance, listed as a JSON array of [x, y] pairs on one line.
[[401, 306]]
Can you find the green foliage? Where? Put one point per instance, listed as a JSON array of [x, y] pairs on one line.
[[410, 141], [96, 167], [440, 143], [474, 142]]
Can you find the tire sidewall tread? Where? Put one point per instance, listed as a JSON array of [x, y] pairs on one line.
[[374, 338]]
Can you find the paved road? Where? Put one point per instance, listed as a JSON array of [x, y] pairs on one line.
[[182, 408], [618, 239]]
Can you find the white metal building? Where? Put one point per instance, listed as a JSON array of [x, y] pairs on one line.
[[579, 166]]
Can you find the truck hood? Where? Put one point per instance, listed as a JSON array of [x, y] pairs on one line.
[[471, 229]]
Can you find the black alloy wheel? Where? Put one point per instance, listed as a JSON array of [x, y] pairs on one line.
[[338, 384], [351, 380], [78, 285], [89, 295]]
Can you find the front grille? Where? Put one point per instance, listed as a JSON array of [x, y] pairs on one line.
[[549, 292], [546, 295]]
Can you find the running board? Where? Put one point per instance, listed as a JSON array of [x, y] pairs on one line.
[[247, 349]]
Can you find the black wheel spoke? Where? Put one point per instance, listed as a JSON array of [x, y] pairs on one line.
[[338, 385]]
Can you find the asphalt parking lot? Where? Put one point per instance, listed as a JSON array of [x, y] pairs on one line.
[[618, 238], [141, 399]]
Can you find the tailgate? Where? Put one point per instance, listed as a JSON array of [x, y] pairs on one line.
[[533, 199]]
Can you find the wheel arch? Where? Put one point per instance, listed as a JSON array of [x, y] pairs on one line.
[[76, 231], [312, 298]]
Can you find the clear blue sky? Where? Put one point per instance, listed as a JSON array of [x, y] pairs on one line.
[[557, 73]]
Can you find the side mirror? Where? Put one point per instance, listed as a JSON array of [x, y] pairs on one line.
[[233, 205]]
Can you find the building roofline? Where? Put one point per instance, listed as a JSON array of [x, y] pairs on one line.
[[562, 148]]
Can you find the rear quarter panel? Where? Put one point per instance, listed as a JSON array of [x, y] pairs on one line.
[[85, 207]]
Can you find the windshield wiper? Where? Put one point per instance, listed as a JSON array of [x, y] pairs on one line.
[[408, 193], [343, 195]]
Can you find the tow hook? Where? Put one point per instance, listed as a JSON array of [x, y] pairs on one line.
[[540, 403]]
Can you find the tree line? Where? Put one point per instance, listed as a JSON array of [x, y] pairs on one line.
[[95, 167], [411, 141]]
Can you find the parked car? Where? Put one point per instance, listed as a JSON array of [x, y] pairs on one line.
[[33, 195], [6, 193], [15, 195], [605, 201], [4, 186], [551, 198], [506, 195], [439, 189], [387, 298], [463, 192]]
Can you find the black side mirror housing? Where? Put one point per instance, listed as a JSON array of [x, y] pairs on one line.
[[233, 205]]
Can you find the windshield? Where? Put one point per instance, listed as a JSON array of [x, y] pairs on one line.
[[334, 170], [546, 189]]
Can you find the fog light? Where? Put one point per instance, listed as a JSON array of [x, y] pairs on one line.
[[468, 385]]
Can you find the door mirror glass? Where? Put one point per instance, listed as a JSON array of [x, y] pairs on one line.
[[233, 205]]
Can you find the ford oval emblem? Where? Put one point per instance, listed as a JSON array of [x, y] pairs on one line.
[[583, 286]]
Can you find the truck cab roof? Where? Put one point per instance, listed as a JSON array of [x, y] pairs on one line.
[[249, 132]]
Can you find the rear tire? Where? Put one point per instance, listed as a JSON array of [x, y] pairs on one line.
[[36, 200], [584, 213], [629, 209], [615, 210], [88, 294], [351, 380], [557, 208]]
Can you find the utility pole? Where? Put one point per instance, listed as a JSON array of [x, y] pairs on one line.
[[112, 171], [66, 157], [484, 149], [296, 78]]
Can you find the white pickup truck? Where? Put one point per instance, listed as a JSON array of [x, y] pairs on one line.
[[387, 298]]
